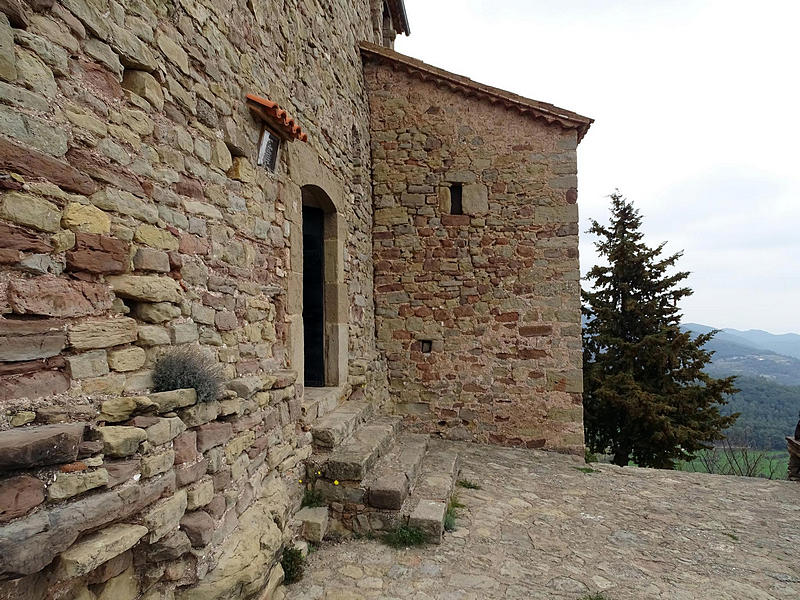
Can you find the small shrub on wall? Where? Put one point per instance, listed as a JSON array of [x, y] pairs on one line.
[[188, 368]]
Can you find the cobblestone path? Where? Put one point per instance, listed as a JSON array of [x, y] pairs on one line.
[[541, 528]]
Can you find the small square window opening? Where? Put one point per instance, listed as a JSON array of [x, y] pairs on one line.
[[426, 346], [268, 150], [456, 192]]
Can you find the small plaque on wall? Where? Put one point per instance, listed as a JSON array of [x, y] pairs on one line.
[[268, 150]]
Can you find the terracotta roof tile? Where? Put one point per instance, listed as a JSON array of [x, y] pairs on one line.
[[272, 113], [466, 86]]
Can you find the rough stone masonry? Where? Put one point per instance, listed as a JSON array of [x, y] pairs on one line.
[[477, 286], [135, 216]]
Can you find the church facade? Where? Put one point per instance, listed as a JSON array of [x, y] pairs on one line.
[[324, 220]]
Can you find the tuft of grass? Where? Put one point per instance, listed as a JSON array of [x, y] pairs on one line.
[[452, 513], [594, 597], [313, 499], [188, 367], [292, 563], [589, 456], [733, 536], [586, 469], [404, 537], [466, 483], [454, 503]]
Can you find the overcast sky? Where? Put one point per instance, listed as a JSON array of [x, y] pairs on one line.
[[696, 120]]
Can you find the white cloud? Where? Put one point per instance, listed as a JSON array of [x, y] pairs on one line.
[[695, 108]]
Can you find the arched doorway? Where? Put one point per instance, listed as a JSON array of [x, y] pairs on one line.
[[324, 309]]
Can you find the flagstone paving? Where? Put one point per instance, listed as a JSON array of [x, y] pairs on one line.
[[541, 528]]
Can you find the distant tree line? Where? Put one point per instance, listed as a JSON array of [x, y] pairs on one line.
[[768, 412]]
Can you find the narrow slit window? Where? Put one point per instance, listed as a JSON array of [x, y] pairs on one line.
[[455, 199], [427, 346]]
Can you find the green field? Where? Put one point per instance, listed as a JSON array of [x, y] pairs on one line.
[[771, 464]]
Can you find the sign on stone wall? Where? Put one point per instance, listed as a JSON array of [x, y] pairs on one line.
[[268, 150]]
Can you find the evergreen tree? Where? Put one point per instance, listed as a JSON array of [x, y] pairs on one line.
[[646, 397]]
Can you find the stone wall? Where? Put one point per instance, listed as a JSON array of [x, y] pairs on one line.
[[495, 290], [133, 218], [153, 497]]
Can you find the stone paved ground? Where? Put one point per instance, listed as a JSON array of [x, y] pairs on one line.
[[540, 528]]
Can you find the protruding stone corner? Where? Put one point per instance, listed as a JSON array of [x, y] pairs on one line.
[[313, 522], [429, 517]]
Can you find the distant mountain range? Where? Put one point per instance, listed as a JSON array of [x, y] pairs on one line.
[[753, 353], [767, 367]]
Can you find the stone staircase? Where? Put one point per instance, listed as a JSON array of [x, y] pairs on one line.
[[374, 476]]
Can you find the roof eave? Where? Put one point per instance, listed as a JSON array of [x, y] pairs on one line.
[[399, 16], [543, 110]]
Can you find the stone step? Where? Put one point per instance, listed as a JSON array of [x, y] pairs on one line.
[[315, 523], [353, 459], [389, 482], [335, 427], [318, 402], [426, 506]]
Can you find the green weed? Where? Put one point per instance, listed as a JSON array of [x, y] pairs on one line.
[[313, 499], [292, 563], [403, 537], [466, 483], [452, 513], [586, 469]]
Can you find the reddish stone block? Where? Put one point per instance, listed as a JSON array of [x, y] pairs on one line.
[[32, 163], [535, 330], [120, 471], [226, 321], [185, 447], [116, 175], [189, 187], [90, 448], [221, 479], [31, 366], [528, 353], [216, 508], [16, 238], [98, 254], [101, 79], [9, 257], [33, 385], [58, 297], [73, 467], [509, 317], [455, 220], [572, 195], [213, 434], [28, 447], [199, 527], [189, 473], [191, 244], [19, 495]]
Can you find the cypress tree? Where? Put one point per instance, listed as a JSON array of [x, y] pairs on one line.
[[646, 396]]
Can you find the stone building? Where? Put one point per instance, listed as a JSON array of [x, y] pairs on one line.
[[354, 237]]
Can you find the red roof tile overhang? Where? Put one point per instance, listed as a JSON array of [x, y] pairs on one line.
[[463, 85], [276, 117]]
